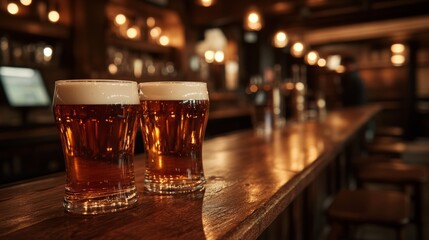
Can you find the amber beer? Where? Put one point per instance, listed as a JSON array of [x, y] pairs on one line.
[[173, 122], [97, 121]]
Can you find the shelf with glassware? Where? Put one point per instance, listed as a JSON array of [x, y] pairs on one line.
[[141, 44], [35, 34], [140, 65], [26, 26], [41, 18]]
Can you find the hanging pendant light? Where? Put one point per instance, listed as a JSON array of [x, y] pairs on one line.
[[253, 19], [26, 2], [312, 57], [206, 3], [398, 54], [54, 13], [12, 8], [280, 39], [53, 16], [297, 49]]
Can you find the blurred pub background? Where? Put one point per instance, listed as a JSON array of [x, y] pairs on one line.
[[235, 46]]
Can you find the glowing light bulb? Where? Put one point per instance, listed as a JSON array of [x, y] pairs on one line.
[[206, 3], [253, 17], [219, 56], [397, 60], [312, 57], [299, 86], [12, 8], [253, 20], [113, 69], [132, 32], [120, 19], [47, 53], [297, 49], [209, 56], [164, 40], [280, 39], [397, 48], [53, 16], [155, 32], [26, 2], [321, 62]]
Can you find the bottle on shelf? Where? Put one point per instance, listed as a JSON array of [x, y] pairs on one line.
[[298, 93], [268, 102]]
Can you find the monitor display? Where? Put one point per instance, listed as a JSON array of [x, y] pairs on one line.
[[24, 87]]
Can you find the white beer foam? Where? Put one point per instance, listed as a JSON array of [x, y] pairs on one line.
[[178, 90], [92, 92]]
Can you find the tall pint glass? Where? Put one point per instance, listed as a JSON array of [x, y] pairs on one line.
[[97, 122], [173, 123]]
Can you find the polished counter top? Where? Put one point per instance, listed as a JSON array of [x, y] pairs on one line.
[[251, 178]]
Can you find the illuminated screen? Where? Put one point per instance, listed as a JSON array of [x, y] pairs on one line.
[[24, 87]]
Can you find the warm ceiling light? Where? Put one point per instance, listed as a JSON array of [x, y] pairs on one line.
[[321, 62], [280, 39], [26, 2], [299, 86], [53, 16], [155, 32], [333, 62], [12, 8], [397, 48], [312, 57], [164, 40], [219, 56], [397, 60], [209, 56], [206, 3], [297, 49], [253, 20], [150, 22], [112, 68], [132, 32], [253, 17], [47, 53], [120, 19]]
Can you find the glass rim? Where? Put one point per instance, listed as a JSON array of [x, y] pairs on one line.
[[94, 81], [178, 82]]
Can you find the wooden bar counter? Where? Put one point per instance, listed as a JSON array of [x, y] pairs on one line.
[[251, 179]]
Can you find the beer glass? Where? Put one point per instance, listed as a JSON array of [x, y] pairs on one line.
[[97, 122], [173, 123]]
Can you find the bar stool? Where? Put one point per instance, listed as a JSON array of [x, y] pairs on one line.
[[400, 174], [354, 207], [389, 131], [390, 147]]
